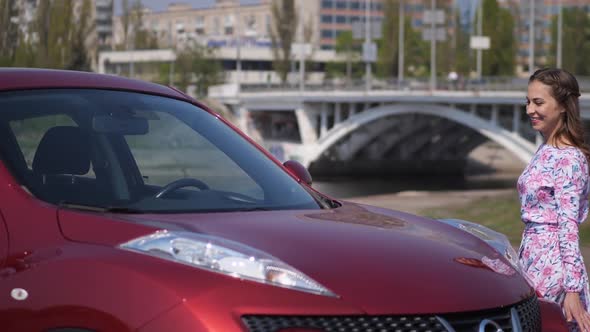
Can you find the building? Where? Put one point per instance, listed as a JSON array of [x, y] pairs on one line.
[[543, 13], [345, 15], [337, 16], [217, 25], [242, 32]]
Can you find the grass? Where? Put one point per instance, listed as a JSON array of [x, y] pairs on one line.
[[500, 213]]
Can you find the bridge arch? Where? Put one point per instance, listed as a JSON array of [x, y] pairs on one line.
[[514, 143]]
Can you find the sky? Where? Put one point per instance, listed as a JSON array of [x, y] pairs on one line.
[[160, 5]]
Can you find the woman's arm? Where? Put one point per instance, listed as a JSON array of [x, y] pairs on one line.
[[570, 179], [570, 176]]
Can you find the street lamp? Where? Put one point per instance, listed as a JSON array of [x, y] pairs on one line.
[[433, 47], [301, 50], [559, 33], [367, 45], [480, 33], [400, 63], [238, 48], [531, 36]]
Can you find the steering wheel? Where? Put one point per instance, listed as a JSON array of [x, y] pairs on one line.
[[181, 183]]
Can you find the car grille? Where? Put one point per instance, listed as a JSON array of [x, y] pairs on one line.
[[528, 312]]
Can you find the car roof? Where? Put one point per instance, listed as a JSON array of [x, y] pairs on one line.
[[35, 78]]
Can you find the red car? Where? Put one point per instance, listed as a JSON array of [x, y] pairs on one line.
[[129, 206]]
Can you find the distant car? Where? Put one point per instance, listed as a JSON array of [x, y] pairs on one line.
[[129, 206]]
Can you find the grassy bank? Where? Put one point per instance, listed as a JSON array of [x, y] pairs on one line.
[[500, 213]]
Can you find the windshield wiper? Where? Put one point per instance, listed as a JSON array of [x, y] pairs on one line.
[[323, 201], [122, 209], [249, 209], [77, 206], [111, 209]]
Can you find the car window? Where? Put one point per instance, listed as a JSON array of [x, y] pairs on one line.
[[132, 151], [186, 154]]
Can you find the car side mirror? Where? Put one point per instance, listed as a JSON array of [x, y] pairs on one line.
[[298, 170]]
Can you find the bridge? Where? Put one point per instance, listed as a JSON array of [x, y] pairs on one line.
[[382, 131]]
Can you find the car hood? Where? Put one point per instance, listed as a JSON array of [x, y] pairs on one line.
[[378, 260]]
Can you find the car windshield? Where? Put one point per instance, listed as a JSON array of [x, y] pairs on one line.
[[126, 151]]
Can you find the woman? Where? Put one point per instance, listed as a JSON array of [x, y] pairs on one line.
[[553, 191]]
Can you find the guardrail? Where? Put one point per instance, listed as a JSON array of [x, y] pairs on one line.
[[416, 84]]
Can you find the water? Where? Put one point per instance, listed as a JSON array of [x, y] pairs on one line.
[[346, 187]]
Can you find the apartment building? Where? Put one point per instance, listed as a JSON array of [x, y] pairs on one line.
[[225, 24], [542, 14], [221, 24], [239, 32]]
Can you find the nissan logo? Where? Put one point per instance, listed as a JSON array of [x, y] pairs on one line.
[[488, 325]]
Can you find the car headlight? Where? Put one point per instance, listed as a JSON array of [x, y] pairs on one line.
[[225, 257], [496, 240]]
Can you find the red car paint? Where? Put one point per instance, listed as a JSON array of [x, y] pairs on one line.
[[379, 262]]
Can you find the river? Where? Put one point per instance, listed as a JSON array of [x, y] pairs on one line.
[[346, 187]]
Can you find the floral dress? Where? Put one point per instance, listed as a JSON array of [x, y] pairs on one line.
[[553, 192]]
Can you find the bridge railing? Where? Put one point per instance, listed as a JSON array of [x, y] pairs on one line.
[[492, 83]]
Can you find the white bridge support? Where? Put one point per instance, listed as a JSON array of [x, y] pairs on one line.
[[377, 126]]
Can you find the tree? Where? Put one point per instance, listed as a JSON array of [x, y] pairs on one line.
[[282, 34], [388, 53], [575, 42], [79, 59], [52, 28], [40, 33], [25, 54], [352, 68], [500, 59], [135, 35], [142, 38], [446, 50], [197, 65], [8, 31], [58, 36], [416, 50], [462, 64], [307, 39], [125, 23], [345, 44]]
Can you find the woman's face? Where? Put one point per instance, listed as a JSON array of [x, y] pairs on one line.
[[543, 109]]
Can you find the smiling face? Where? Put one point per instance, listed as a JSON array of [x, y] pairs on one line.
[[543, 109]]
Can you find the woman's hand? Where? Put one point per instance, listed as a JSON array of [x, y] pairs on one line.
[[574, 310]]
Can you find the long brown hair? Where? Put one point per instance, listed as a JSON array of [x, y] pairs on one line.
[[565, 89]]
